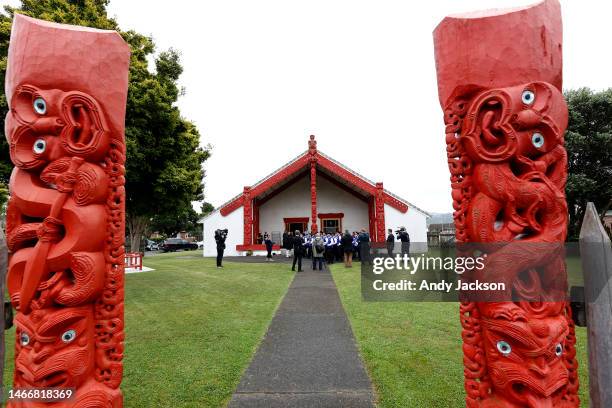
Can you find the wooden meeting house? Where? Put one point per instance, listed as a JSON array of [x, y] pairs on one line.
[[312, 193]]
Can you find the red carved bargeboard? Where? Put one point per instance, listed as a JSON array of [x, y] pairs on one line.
[[67, 88], [499, 79]]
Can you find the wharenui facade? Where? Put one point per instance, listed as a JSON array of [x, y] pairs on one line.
[[311, 193]]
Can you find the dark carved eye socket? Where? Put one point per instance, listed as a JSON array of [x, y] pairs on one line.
[[504, 348], [40, 106], [537, 140], [68, 336], [558, 350], [528, 97], [39, 146], [24, 339]]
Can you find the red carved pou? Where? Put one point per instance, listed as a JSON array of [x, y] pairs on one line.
[[499, 81], [67, 88]]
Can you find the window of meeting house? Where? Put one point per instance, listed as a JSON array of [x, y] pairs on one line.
[[331, 225]]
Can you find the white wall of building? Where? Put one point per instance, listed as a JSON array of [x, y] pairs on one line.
[[295, 202], [415, 223], [233, 222], [332, 199]]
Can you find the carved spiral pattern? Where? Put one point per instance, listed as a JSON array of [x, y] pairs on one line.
[[504, 189]]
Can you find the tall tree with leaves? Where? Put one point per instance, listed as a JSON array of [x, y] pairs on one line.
[[588, 141], [164, 158]]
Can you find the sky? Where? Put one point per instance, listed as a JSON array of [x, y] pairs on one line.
[[261, 76]]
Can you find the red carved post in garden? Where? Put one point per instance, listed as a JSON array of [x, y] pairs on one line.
[[66, 88], [499, 81]]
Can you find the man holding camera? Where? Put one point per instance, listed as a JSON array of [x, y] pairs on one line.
[[403, 236], [220, 236]]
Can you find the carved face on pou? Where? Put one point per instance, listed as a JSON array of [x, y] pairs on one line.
[[525, 120], [45, 125], [526, 359], [54, 347]]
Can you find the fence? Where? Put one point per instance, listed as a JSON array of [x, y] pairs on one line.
[[596, 255], [133, 260]]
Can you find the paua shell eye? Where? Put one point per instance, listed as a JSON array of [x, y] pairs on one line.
[[528, 97], [68, 336], [504, 348], [39, 146], [24, 339], [537, 140], [558, 350], [40, 106]]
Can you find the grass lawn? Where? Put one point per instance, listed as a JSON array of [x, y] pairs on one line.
[[191, 329], [413, 351]]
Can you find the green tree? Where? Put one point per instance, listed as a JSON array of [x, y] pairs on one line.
[[164, 159], [588, 141]]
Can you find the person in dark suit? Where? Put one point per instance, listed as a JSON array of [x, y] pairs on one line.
[[405, 238], [364, 246], [269, 244], [298, 251], [347, 248], [390, 242]]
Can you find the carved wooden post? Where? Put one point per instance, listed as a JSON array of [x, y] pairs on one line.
[[3, 268], [312, 151], [379, 203], [67, 88], [596, 255], [499, 82], [248, 215]]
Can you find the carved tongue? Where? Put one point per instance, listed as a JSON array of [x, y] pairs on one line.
[[538, 401]]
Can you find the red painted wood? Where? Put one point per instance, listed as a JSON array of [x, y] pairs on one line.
[[66, 87], [505, 117], [296, 219], [256, 247], [379, 208]]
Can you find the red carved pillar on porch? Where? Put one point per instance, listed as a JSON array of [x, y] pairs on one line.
[[255, 221], [372, 219], [505, 117], [312, 151], [379, 204], [247, 204]]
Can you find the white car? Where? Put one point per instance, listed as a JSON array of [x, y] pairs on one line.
[[200, 244]]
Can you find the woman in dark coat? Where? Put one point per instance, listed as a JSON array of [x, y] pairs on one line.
[[347, 248]]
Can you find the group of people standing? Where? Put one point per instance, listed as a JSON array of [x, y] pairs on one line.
[[323, 246], [327, 247]]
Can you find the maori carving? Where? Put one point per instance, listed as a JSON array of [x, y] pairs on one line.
[[313, 197], [505, 117], [248, 215], [312, 152], [379, 202], [67, 88]]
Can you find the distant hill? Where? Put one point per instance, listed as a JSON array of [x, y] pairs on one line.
[[440, 218]]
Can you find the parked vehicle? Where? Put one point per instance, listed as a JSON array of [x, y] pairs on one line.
[[200, 244], [151, 246], [175, 244]]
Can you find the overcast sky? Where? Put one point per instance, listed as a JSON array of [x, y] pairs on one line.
[[260, 76]]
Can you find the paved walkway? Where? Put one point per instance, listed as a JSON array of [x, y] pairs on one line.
[[308, 357]]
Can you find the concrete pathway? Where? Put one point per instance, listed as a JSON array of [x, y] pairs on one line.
[[308, 357]]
